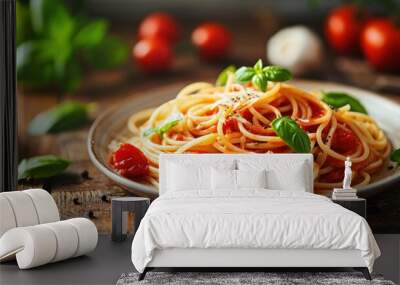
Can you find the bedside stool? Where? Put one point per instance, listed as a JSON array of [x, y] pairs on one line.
[[357, 205], [119, 213]]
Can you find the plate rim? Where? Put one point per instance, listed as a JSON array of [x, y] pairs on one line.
[[103, 169]]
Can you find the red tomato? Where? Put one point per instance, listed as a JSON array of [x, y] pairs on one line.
[[380, 42], [152, 55], [212, 111], [309, 128], [180, 137], [230, 125], [361, 165], [344, 141], [161, 26], [279, 101], [317, 111], [256, 129], [212, 39], [335, 175], [343, 28], [245, 113], [331, 161], [130, 161]]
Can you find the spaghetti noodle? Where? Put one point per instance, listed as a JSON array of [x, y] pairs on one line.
[[236, 118]]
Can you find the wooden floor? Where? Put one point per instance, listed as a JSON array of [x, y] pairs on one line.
[[110, 259], [103, 266]]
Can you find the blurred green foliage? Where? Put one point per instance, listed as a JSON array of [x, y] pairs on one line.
[[54, 46], [65, 116]]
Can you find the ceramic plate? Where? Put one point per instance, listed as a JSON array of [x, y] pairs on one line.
[[113, 124]]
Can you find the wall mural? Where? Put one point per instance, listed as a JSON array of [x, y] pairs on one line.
[[100, 97]]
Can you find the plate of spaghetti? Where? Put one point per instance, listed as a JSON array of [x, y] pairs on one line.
[[252, 110]]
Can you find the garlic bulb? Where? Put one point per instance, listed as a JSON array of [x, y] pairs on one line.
[[296, 48]]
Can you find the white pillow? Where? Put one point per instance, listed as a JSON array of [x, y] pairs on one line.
[[183, 177], [281, 175], [223, 179], [251, 178], [294, 180], [186, 175], [227, 179]]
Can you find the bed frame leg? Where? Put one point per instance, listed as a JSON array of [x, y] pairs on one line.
[[364, 271], [143, 274]]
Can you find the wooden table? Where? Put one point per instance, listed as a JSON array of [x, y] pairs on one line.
[[83, 190]]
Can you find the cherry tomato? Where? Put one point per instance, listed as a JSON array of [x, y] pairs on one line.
[[344, 140], [130, 161], [161, 26], [343, 28], [380, 42], [152, 55], [212, 39], [230, 125]]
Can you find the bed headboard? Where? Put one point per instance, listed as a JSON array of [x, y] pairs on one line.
[[210, 159]]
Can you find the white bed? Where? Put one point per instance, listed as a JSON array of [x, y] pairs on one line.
[[249, 227]]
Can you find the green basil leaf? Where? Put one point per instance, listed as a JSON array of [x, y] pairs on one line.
[[41, 167], [41, 63], [52, 21], [61, 60], [109, 53], [72, 78], [258, 66], [51, 18], [223, 76], [66, 116], [149, 131], [395, 156], [244, 74], [40, 11], [277, 73], [295, 137], [61, 28], [167, 126], [23, 23], [162, 129], [260, 82], [35, 65], [61, 44], [340, 99], [91, 34]]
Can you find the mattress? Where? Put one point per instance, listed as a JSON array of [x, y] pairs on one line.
[[250, 219]]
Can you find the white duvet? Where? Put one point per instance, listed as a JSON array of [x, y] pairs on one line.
[[253, 218]]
